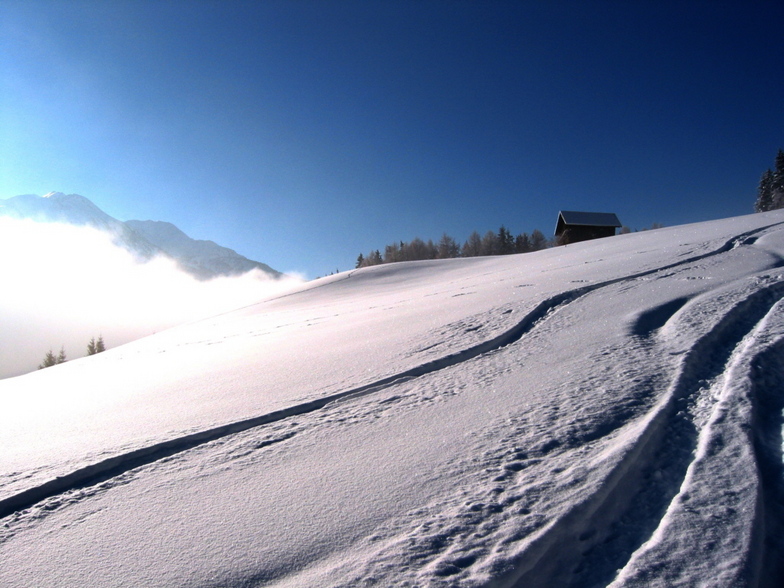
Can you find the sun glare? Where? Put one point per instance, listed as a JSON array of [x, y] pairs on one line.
[[64, 284]]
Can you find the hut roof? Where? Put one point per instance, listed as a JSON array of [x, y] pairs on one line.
[[590, 219]]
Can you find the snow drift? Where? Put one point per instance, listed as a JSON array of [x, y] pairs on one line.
[[603, 413]]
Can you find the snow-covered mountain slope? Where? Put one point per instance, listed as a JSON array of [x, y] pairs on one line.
[[609, 412], [145, 239], [207, 258]]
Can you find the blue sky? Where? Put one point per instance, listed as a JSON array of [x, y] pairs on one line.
[[301, 133]]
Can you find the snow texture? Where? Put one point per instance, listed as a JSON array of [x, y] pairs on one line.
[[605, 413]]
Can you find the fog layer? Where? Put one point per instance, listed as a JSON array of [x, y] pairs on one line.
[[63, 285]]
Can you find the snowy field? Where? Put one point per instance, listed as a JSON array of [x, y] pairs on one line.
[[606, 413]]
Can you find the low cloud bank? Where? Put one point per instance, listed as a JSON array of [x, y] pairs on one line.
[[62, 285]]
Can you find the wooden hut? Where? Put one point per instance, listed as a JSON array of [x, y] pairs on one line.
[[575, 226]]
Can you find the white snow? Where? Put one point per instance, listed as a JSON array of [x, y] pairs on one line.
[[603, 413]]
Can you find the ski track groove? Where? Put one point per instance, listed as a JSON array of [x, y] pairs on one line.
[[737, 344], [767, 381], [561, 555], [748, 388], [119, 464]]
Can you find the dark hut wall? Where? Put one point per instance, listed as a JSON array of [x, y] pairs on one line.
[[575, 234]]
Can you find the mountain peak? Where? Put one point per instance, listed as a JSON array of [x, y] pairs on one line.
[[202, 259]]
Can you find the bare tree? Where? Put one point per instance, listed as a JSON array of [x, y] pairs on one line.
[[473, 246], [448, 247]]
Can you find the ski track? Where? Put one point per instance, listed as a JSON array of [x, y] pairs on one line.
[[767, 381], [587, 545], [724, 498], [585, 529]]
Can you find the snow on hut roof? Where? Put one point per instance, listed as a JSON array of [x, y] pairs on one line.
[[594, 219]]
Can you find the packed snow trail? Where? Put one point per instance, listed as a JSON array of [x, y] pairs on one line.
[[476, 473]]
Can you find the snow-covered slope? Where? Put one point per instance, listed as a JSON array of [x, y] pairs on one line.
[[608, 412], [145, 239], [208, 259]]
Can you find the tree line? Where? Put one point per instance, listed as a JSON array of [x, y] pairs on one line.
[[491, 243], [770, 192], [51, 359]]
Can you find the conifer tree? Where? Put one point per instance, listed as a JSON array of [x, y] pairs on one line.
[[94, 346], [49, 360], [505, 241], [61, 355], [770, 192], [374, 258], [538, 240], [777, 192], [764, 192], [778, 174], [522, 243]]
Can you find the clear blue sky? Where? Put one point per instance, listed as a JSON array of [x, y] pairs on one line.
[[301, 133]]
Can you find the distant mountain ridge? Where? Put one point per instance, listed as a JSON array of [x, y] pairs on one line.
[[145, 239], [205, 257]]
